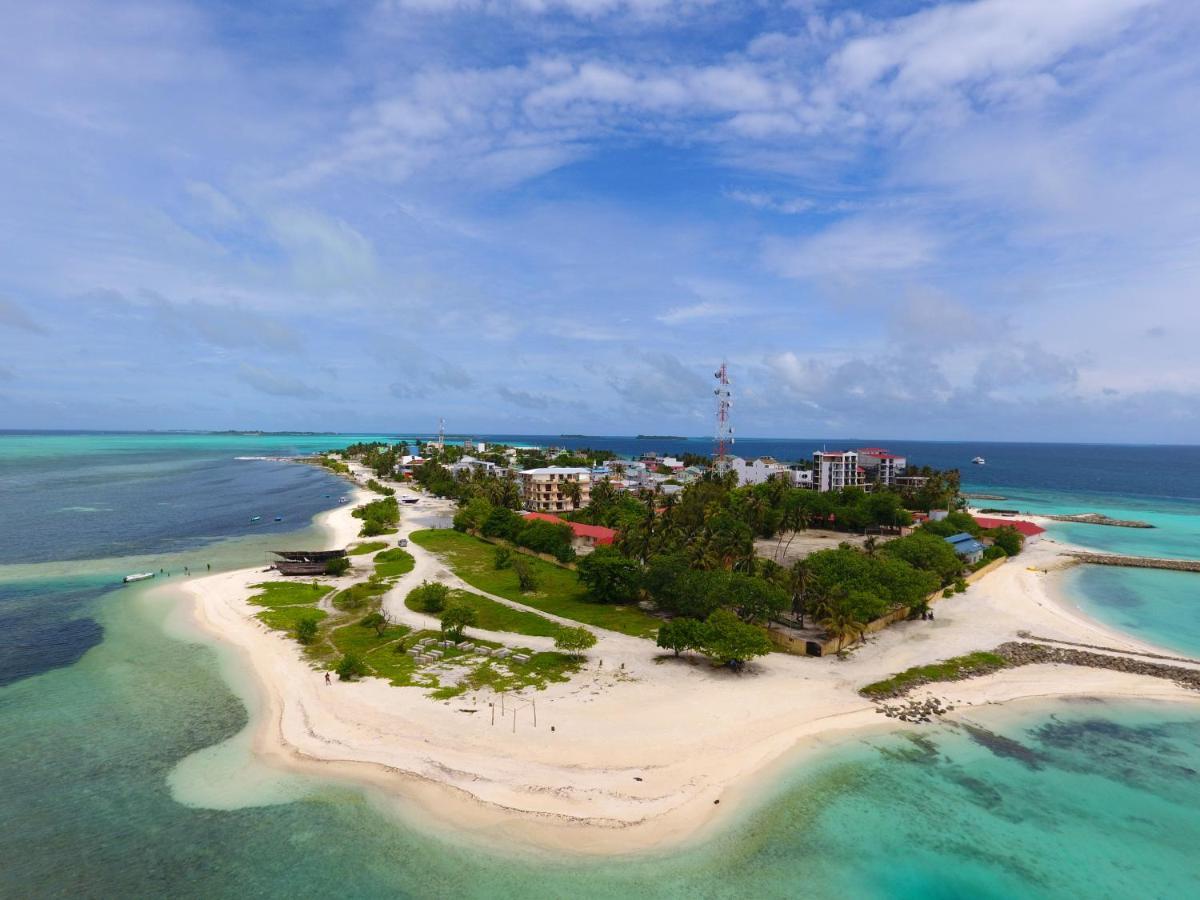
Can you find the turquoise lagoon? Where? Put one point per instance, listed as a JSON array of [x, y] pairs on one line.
[[108, 786]]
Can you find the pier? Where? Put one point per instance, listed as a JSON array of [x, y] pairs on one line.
[[1135, 562]]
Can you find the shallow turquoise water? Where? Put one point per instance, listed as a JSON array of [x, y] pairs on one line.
[[1161, 607]]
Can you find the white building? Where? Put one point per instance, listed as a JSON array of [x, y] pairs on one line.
[[834, 470], [802, 478], [545, 489], [880, 465], [470, 463], [756, 472]]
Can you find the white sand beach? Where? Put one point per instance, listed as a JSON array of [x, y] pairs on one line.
[[635, 752]]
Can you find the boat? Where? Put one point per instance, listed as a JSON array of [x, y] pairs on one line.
[[279, 518], [255, 518], [979, 461], [342, 499], [137, 576]]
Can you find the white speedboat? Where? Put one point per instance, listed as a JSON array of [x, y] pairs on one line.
[[979, 461], [137, 576]]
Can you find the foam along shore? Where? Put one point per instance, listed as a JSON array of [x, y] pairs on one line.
[[634, 752]]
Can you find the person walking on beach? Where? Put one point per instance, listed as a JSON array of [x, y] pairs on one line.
[[327, 679]]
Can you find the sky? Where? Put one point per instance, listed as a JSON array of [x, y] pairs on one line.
[[920, 220]]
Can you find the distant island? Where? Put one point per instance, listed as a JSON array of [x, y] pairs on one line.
[[660, 437], [572, 435]]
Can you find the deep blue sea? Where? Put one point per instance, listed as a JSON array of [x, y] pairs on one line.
[[100, 703]]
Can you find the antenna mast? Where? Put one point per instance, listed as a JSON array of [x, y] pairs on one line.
[[441, 434], [723, 438]]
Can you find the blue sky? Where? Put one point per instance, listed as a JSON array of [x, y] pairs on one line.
[[903, 219]]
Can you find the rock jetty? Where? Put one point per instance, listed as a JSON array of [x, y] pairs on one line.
[[918, 711], [1094, 519], [1135, 562]]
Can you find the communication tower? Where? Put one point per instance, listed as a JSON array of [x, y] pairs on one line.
[[723, 438]]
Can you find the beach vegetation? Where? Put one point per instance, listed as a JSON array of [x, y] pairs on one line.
[[953, 669], [609, 576], [456, 617], [1007, 539], [376, 620], [339, 565], [358, 595], [351, 667], [428, 596], [379, 517], [728, 641], [288, 593], [378, 488], [306, 628], [366, 547], [574, 640], [558, 592], [679, 635], [334, 465], [393, 563]]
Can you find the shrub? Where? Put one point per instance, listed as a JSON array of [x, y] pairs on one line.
[[306, 630], [376, 620], [502, 559], [350, 667], [679, 635], [574, 640], [609, 576], [339, 565], [1007, 539], [430, 596], [526, 579], [457, 616], [960, 586], [727, 640]]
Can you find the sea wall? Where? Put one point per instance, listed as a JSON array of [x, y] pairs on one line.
[[1136, 562]]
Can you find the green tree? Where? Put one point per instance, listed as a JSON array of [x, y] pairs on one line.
[[376, 620], [726, 640], [306, 630], [350, 667], [680, 634], [574, 640], [1007, 539], [430, 596], [502, 559], [754, 599], [574, 493], [473, 515], [609, 576], [526, 579], [455, 618]]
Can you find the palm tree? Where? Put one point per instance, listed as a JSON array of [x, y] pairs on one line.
[[842, 624], [870, 545], [797, 580], [573, 492]]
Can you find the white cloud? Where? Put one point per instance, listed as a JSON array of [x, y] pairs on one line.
[[853, 249]]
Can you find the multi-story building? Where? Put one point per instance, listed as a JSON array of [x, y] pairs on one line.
[[546, 489], [834, 470], [880, 466], [756, 471]]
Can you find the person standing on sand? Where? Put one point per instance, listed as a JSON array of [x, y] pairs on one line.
[[327, 680]]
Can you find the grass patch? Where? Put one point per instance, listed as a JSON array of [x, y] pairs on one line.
[[559, 591], [493, 616], [285, 618], [359, 596], [953, 669], [288, 593], [379, 652], [368, 547], [394, 563]]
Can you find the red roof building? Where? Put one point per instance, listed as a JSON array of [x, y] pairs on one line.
[[1028, 529], [588, 535]]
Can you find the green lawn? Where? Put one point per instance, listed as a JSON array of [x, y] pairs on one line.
[[394, 563], [952, 669], [368, 547], [285, 618], [559, 591], [288, 593], [493, 616], [378, 652], [359, 596]]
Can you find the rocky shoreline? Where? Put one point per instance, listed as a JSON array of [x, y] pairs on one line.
[[1025, 653], [1135, 562], [1094, 519]]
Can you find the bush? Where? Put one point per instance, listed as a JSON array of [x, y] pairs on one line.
[[609, 576], [679, 635], [960, 586], [728, 641], [357, 595], [574, 640], [380, 489], [948, 592], [502, 559], [350, 667], [430, 596], [526, 579], [306, 630], [1007, 539], [458, 615], [376, 620], [339, 565]]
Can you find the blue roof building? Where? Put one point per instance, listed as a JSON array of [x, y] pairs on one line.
[[966, 546]]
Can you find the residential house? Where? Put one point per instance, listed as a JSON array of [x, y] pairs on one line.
[[834, 470], [1031, 532], [586, 538], [546, 489], [966, 547]]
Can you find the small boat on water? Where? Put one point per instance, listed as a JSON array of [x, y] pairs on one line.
[[279, 518], [137, 576], [342, 499], [255, 518], [979, 461]]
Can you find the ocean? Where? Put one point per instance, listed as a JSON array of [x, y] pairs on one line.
[[108, 710]]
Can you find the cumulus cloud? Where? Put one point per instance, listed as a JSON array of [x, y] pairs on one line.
[[275, 383], [853, 248], [15, 317]]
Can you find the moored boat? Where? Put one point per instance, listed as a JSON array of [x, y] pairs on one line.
[[979, 461], [137, 576]]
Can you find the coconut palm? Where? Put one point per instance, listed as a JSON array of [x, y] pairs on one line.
[[573, 492]]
